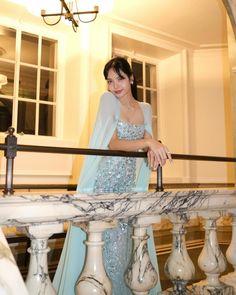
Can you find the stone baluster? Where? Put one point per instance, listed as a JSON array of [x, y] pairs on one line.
[[230, 278], [93, 279], [211, 259], [179, 267], [38, 281], [141, 276], [11, 281]]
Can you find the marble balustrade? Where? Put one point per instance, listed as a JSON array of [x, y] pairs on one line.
[[39, 216]]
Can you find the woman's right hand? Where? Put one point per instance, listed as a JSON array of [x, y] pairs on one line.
[[157, 154]]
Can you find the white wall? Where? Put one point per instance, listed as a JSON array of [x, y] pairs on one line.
[[87, 53], [191, 107], [192, 117], [208, 124], [172, 127]]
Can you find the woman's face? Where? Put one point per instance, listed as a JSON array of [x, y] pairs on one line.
[[119, 86]]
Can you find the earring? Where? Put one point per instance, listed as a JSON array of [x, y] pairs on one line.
[[131, 82]]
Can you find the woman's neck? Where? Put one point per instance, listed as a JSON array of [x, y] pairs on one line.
[[127, 100], [128, 103]]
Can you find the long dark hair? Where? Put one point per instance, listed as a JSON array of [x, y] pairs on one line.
[[119, 65]]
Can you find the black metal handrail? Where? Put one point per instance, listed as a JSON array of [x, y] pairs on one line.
[[101, 152], [11, 147], [80, 151]]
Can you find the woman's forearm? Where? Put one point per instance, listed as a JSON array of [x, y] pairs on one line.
[[129, 145]]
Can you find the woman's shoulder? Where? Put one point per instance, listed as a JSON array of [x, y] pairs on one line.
[[108, 102], [146, 107], [108, 97]]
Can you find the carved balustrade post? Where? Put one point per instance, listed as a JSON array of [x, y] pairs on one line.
[[11, 281], [230, 278], [10, 154], [93, 279], [141, 276], [179, 267], [211, 260], [38, 281]]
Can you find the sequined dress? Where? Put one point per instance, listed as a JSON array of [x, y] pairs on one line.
[[118, 174]]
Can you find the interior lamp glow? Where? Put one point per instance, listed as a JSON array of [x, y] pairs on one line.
[[73, 11], [70, 11], [3, 80]]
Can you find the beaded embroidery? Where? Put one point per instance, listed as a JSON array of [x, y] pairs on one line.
[[118, 174]]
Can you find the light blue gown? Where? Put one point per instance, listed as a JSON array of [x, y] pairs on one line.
[[113, 174]]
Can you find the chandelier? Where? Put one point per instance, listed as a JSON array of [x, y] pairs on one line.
[[71, 14]]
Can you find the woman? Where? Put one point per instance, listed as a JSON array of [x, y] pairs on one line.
[[122, 123]]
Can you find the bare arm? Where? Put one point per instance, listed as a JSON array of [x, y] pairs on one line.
[[129, 145], [157, 152]]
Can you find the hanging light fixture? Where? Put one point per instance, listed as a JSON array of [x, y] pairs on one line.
[[3, 80], [71, 14]]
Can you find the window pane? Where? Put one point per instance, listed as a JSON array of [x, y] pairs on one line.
[[140, 94], [29, 49], [46, 120], [137, 68], [7, 69], [5, 114], [26, 117], [150, 75], [48, 53], [28, 82], [7, 43], [151, 97], [47, 86]]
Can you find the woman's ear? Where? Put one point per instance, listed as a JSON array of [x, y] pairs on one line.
[[131, 79]]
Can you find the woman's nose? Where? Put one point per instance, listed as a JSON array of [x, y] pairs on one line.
[[115, 84]]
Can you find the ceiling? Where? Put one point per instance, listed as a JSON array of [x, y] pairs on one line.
[[199, 23], [192, 23]]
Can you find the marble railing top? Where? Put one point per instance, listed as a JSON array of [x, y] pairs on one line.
[[34, 208]]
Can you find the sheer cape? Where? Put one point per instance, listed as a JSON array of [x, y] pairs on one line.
[[105, 125], [73, 253]]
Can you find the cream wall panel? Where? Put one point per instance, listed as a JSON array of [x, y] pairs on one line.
[[188, 121], [232, 73], [208, 122], [171, 116], [192, 104], [87, 52]]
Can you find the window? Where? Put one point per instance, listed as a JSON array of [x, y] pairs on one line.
[[28, 101], [146, 77]]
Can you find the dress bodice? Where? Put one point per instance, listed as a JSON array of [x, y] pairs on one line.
[[126, 130], [118, 174]]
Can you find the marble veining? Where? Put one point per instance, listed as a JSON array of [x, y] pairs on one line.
[[93, 279], [38, 279], [27, 210], [97, 285], [11, 281], [23, 209], [179, 268], [137, 268]]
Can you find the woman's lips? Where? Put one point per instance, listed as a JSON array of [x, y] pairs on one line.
[[117, 92]]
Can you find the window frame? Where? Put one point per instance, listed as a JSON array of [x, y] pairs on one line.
[[59, 87]]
